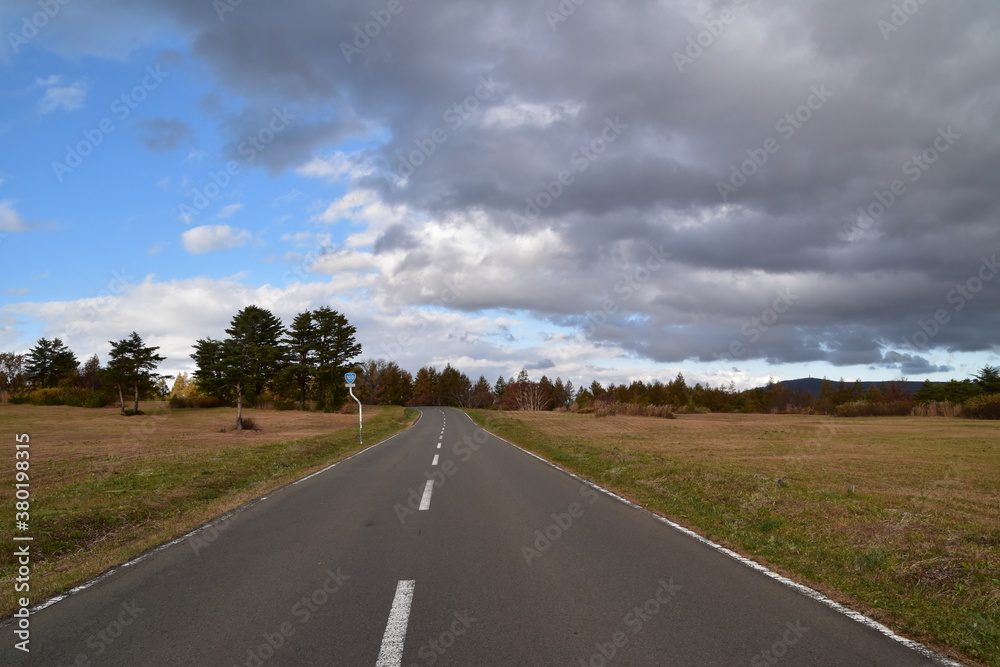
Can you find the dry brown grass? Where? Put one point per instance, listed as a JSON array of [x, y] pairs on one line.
[[106, 487], [951, 464], [898, 517]]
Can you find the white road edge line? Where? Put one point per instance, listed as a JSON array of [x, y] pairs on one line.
[[801, 588], [425, 502], [391, 654]]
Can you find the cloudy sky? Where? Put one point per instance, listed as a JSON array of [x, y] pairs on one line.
[[591, 190]]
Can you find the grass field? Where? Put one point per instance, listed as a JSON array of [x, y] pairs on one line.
[[105, 488], [896, 517]]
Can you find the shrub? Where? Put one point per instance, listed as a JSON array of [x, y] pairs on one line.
[[196, 401], [249, 424], [96, 399], [982, 407], [867, 409], [937, 409], [18, 400], [608, 409]]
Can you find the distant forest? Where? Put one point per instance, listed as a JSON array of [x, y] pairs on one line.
[[263, 364]]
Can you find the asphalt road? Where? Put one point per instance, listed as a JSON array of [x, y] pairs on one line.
[[504, 561]]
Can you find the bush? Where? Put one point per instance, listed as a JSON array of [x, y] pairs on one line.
[[197, 401], [608, 409], [982, 407], [249, 424], [76, 397], [96, 399], [937, 409], [18, 400], [867, 409]]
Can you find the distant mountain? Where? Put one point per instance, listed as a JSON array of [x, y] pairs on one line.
[[812, 385]]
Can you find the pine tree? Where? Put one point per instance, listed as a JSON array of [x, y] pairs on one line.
[[988, 379], [252, 355], [132, 364], [246, 362], [301, 343], [482, 393], [49, 362], [336, 349], [209, 372], [499, 388]]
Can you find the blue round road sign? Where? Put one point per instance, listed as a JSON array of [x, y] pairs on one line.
[[350, 377]]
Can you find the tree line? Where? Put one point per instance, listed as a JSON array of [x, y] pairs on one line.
[[261, 362], [259, 358], [384, 382]]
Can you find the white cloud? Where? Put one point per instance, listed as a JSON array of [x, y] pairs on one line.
[[208, 238], [228, 211], [66, 98], [365, 209], [516, 113], [337, 167], [10, 220]]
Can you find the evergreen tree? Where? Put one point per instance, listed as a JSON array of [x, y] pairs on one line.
[[301, 345], [498, 389], [988, 379], [209, 372], [132, 364], [244, 363], [482, 393], [336, 349], [49, 362], [454, 387], [929, 393]]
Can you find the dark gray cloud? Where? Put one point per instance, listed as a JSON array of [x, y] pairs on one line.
[[857, 163], [396, 237]]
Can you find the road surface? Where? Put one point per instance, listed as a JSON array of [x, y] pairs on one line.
[[501, 560]]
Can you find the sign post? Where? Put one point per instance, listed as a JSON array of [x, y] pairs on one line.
[[351, 377]]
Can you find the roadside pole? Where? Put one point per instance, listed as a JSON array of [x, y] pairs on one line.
[[351, 377]]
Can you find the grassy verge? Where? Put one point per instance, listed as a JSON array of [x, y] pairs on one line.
[[106, 488], [898, 518]]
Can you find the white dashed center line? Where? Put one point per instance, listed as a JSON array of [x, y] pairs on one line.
[[425, 502], [391, 654]]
